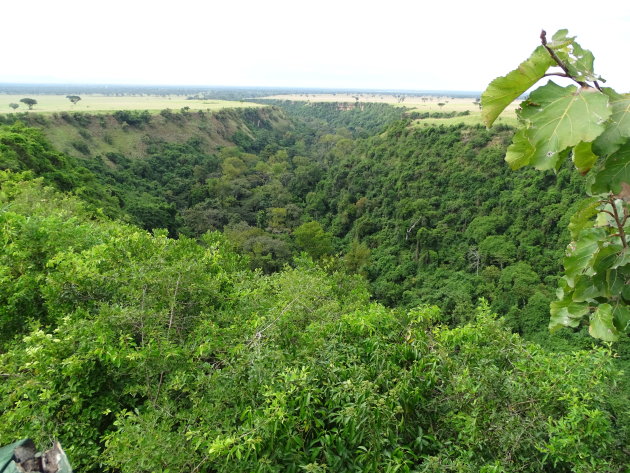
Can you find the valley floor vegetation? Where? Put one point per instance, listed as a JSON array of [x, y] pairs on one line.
[[297, 287]]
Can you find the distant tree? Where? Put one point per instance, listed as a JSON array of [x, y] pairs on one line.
[[312, 238], [357, 257], [29, 102], [14, 105], [441, 104], [73, 98], [499, 249]]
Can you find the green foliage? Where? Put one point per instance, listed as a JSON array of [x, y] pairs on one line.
[[145, 353], [29, 102], [558, 118], [435, 212], [498, 249], [361, 120], [25, 149], [312, 238], [133, 117], [590, 123], [288, 372], [504, 90], [408, 208]]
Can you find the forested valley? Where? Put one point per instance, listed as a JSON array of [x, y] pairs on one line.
[[297, 287]]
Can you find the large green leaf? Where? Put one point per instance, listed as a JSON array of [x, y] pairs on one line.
[[602, 324], [623, 258], [502, 91], [519, 153], [566, 313], [561, 117], [618, 127], [615, 283], [581, 254], [583, 157], [583, 217], [621, 317], [613, 172], [606, 257], [587, 290]]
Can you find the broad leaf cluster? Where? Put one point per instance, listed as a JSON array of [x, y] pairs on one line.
[[590, 124]]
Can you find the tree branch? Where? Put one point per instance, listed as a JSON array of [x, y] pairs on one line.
[[559, 74], [615, 214], [562, 65], [412, 227]]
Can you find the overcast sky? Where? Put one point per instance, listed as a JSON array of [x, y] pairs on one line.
[[393, 44]]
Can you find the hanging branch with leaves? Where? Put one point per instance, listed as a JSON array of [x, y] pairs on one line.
[[590, 124]]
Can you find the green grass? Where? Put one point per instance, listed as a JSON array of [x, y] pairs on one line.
[[102, 103]]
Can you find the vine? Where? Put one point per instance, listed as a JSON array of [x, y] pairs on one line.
[[591, 124]]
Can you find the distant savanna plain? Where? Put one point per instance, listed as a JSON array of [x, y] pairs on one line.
[[437, 106]]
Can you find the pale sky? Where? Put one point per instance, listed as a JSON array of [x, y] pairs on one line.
[[393, 44]]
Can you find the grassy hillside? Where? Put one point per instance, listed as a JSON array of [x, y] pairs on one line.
[[149, 164], [131, 132]]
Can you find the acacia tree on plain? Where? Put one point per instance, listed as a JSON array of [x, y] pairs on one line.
[[28, 101], [73, 98], [14, 105]]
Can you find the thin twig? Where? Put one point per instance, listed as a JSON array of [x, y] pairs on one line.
[[622, 233], [199, 465], [562, 65], [412, 227], [559, 74], [259, 333]]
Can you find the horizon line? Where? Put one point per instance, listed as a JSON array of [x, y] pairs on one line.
[[228, 87]]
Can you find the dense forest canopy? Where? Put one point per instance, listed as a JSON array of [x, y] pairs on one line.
[[300, 287]]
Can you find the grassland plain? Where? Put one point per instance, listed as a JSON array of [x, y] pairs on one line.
[[415, 103], [107, 103]]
